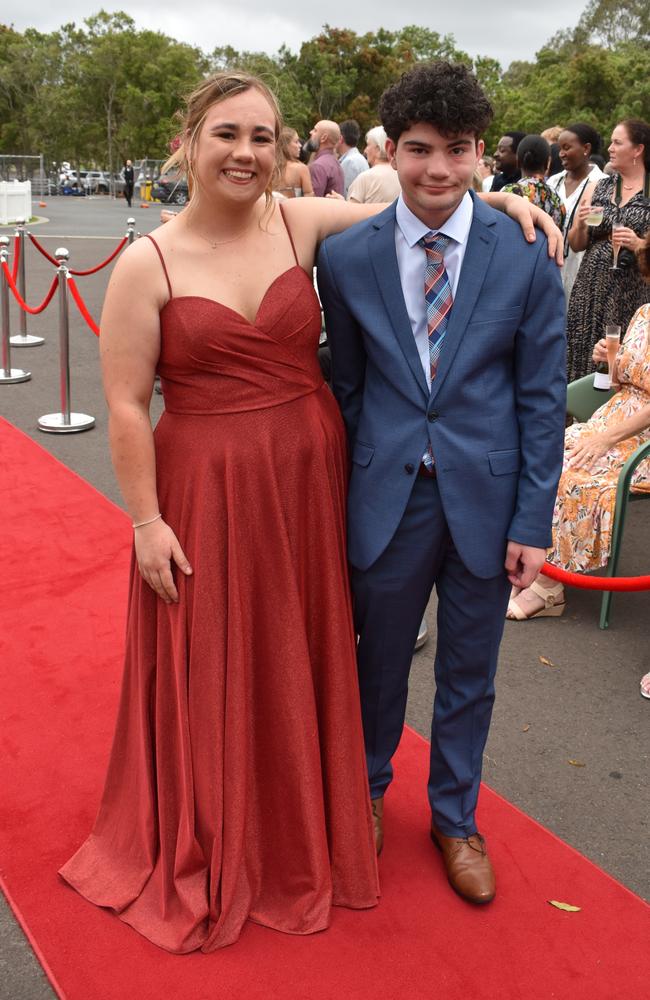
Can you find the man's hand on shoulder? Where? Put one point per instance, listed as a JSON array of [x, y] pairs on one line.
[[523, 563]]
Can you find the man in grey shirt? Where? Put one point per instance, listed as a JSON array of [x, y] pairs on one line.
[[351, 160]]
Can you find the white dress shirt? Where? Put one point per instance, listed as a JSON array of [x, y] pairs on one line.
[[411, 261]]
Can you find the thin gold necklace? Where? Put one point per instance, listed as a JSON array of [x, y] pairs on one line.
[[631, 187], [220, 243]]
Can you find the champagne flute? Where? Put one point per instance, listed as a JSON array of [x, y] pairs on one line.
[[616, 246], [613, 341]]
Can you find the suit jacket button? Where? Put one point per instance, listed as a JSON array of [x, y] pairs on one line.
[[432, 415], [409, 468]]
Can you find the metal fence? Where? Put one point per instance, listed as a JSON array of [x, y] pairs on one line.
[[23, 167]]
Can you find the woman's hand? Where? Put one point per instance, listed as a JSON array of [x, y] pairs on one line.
[[627, 238], [530, 216], [335, 195], [588, 450], [600, 352], [584, 208], [155, 547]]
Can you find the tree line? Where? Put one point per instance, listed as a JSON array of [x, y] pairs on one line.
[[106, 91]]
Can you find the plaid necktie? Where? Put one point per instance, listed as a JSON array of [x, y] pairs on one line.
[[437, 292]]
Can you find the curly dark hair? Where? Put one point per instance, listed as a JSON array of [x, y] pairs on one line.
[[445, 95]]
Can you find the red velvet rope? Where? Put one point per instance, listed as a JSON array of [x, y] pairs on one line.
[[92, 270], [81, 306], [14, 271], [596, 582], [19, 299], [48, 256]]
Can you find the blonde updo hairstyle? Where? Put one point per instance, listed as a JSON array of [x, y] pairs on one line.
[[211, 91]]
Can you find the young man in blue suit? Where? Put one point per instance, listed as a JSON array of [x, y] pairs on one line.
[[448, 362]]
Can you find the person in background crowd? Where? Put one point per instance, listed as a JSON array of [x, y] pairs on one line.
[[601, 295], [578, 143], [351, 161], [505, 159], [552, 136], [129, 180], [598, 161], [380, 183], [533, 158], [485, 168], [594, 454], [325, 169], [294, 179]]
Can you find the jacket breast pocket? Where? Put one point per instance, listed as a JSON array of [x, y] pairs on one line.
[[502, 317], [504, 462], [362, 453]]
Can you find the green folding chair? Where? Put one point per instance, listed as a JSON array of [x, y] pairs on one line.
[[582, 401]]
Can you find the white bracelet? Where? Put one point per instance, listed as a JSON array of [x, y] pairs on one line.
[[150, 521]]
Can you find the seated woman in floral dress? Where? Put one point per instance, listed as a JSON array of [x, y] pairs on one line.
[[595, 453]]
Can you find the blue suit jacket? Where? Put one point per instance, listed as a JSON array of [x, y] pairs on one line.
[[495, 415]]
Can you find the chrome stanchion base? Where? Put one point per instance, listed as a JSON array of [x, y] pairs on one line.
[[56, 423], [14, 375], [29, 340]]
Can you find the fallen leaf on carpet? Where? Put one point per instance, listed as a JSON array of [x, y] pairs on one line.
[[564, 906], [577, 763], [547, 662], [525, 728]]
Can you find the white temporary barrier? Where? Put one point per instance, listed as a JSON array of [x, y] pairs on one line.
[[15, 201]]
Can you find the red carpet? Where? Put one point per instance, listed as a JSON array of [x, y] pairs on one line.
[[61, 622]]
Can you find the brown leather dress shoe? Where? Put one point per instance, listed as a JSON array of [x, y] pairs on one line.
[[377, 806], [469, 870]]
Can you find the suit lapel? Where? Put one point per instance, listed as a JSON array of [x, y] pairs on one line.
[[480, 247], [381, 248]]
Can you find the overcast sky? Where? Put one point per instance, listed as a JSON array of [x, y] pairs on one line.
[[503, 29]]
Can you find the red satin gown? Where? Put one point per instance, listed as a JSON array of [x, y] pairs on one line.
[[236, 788]]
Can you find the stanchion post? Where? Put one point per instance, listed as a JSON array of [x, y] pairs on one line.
[[23, 339], [130, 230], [7, 373], [65, 422]]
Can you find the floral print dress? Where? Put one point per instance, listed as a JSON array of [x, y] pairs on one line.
[[584, 508], [539, 193]]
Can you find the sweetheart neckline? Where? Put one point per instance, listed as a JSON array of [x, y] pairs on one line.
[[222, 305]]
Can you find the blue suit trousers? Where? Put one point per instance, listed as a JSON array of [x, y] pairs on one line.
[[390, 598]]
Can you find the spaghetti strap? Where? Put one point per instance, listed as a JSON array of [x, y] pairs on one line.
[[162, 261], [293, 246]]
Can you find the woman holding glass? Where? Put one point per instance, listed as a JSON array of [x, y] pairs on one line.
[[601, 293], [577, 143], [594, 454]]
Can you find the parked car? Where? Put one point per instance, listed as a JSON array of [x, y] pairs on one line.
[[96, 181], [171, 188]]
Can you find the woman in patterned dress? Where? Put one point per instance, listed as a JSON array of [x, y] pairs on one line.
[[594, 455], [534, 157], [600, 295]]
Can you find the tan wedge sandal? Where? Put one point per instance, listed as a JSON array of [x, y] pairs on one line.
[[554, 604]]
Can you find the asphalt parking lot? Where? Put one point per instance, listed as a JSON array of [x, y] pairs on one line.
[[566, 691]]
